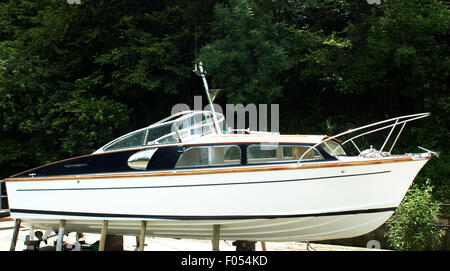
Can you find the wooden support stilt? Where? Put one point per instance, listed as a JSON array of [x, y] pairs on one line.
[[61, 232], [137, 244], [15, 234], [101, 246], [216, 237], [263, 246], [142, 236]]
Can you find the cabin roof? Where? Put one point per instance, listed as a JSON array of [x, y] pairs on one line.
[[258, 138]]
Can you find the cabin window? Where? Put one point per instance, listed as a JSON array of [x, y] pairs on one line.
[[134, 140], [204, 156], [277, 153], [333, 148]]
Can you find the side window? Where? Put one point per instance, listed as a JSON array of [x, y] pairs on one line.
[[204, 156], [261, 153], [133, 140], [273, 153], [294, 152]]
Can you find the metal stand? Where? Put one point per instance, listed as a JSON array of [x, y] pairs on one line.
[[263, 246], [142, 236], [309, 247], [61, 232], [15, 234], [101, 246], [216, 237]]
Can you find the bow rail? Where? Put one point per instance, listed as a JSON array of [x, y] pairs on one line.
[[394, 122]]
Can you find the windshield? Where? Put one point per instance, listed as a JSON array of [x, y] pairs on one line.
[[181, 129], [333, 148]]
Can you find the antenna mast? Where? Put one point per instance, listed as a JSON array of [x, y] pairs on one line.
[[198, 70]]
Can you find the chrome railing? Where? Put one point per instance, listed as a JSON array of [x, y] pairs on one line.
[[385, 124]]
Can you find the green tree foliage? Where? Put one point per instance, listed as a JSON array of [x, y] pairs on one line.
[[74, 77], [247, 56], [404, 54], [413, 226]]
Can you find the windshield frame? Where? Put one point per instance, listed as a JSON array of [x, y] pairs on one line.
[[173, 121]]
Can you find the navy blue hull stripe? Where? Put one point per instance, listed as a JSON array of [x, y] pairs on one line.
[[188, 217]]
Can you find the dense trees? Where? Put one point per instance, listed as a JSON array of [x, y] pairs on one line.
[[73, 77]]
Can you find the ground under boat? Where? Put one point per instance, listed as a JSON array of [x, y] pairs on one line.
[[187, 173]]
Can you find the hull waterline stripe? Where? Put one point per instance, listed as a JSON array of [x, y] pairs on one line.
[[197, 185], [176, 217]]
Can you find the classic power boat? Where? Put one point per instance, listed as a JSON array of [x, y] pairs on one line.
[[187, 173]]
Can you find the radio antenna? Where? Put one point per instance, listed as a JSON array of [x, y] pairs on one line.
[[198, 70]]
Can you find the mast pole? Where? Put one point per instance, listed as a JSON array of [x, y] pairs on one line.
[[200, 72]]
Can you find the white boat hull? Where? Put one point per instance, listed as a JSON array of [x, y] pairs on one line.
[[295, 204]]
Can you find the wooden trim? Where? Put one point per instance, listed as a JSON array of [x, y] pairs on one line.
[[181, 172]]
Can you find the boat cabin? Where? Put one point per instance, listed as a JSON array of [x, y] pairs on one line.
[[189, 140]]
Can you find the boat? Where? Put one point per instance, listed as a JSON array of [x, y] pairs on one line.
[[4, 210], [188, 172]]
